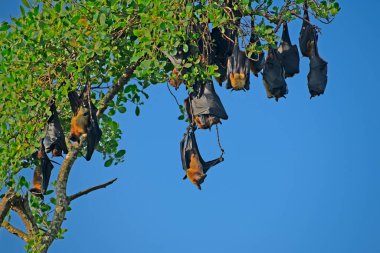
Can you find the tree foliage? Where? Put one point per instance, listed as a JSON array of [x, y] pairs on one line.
[[57, 46]]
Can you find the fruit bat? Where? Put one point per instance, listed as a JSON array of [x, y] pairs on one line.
[[307, 34], [192, 161], [289, 56], [175, 80], [317, 77], [84, 121], [54, 140], [274, 76], [257, 60], [238, 66], [222, 48], [42, 173], [207, 109]]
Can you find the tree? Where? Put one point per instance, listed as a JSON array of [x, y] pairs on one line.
[[59, 46]]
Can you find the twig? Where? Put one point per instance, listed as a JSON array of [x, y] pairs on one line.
[[176, 100], [87, 191]]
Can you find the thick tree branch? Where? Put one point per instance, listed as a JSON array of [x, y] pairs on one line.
[[17, 232], [118, 86], [6, 203], [21, 206], [84, 192]]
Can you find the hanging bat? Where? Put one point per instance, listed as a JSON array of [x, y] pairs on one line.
[[42, 173], [175, 80], [257, 60], [196, 168], [205, 110], [317, 77], [307, 34], [54, 140], [222, 48], [238, 66], [84, 121], [289, 56], [274, 76]]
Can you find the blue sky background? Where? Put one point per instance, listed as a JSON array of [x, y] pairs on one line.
[[299, 175]]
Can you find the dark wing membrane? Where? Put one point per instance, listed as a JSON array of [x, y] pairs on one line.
[[307, 35], [209, 103], [75, 101], [273, 75], [94, 133], [222, 50], [257, 60], [194, 148], [47, 167], [289, 56], [55, 138], [317, 77], [185, 162]]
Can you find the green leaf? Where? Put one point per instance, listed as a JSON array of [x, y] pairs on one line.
[[137, 111], [108, 163], [102, 19], [120, 153], [122, 109], [4, 26], [26, 3]]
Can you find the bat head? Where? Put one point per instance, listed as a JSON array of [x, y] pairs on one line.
[[196, 177], [37, 192], [57, 152]]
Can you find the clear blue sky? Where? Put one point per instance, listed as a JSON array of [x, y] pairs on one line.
[[299, 175]]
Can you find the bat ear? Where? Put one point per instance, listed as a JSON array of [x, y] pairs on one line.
[[199, 187], [184, 178]]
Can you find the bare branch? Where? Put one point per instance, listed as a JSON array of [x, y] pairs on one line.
[[84, 192], [6, 203], [21, 206], [17, 232]]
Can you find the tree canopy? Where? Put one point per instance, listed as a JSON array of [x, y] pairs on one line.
[[119, 48]]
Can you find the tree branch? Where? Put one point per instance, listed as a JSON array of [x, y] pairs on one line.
[[81, 193], [21, 206], [17, 232], [6, 203]]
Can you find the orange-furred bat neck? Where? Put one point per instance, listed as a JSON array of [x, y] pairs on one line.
[[79, 123], [238, 80], [195, 171], [210, 120]]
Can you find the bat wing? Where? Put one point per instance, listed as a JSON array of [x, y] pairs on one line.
[[46, 167], [222, 50], [257, 61], [206, 165], [55, 138], [75, 101], [288, 53], [94, 133], [307, 34], [273, 75], [209, 103], [246, 66], [317, 77]]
